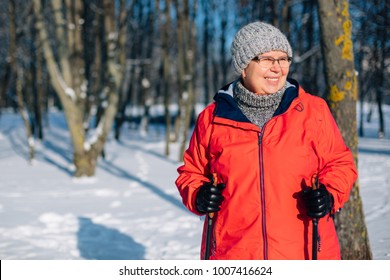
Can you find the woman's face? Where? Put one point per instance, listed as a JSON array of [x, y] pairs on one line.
[[265, 80]]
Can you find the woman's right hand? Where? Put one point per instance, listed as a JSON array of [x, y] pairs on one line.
[[209, 197]]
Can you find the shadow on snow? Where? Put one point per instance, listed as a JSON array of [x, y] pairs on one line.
[[98, 242]]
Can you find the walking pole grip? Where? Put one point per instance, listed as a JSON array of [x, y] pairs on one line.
[[210, 217], [215, 179]]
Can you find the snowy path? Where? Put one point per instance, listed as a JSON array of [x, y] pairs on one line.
[[130, 210], [374, 172]]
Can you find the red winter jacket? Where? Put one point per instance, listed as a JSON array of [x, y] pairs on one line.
[[262, 216]]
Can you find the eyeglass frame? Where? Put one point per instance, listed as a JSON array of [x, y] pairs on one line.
[[289, 60]]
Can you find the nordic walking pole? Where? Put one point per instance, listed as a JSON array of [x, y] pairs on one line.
[[210, 217], [315, 225]]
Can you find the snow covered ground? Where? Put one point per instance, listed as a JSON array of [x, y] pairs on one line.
[[131, 209]]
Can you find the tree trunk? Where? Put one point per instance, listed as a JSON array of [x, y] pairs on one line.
[[18, 76], [69, 80], [205, 49], [380, 47], [186, 58], [24, 113], [165, 67], [337, 48]]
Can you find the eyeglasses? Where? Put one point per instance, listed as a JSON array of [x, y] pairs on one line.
[[268, 61]]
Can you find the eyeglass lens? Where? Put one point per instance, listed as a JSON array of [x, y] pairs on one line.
[[270, 61]]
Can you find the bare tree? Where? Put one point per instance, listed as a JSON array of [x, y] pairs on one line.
[[337, 48], [66, 67], [17, 76], [382, 34], [165, 68], [186, 58]]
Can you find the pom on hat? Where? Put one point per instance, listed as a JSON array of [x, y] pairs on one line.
[[254, 39]]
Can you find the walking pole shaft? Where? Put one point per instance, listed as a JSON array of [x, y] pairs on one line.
[[208, 235], [315, 226], [210, 217], [315, 238]]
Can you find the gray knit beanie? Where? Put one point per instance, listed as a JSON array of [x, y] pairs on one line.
[[254, 39]]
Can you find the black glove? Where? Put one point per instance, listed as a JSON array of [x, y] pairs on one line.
[[318, 202], [209, 197]]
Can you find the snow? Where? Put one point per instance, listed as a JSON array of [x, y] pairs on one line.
[[131, 208]]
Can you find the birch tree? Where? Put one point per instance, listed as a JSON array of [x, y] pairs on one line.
[[66, 66]]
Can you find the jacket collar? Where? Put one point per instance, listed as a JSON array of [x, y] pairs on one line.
[[227, 108]]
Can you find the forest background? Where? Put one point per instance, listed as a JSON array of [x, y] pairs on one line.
[[108, 63]]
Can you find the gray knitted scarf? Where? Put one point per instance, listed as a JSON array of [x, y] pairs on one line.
[[257, 108]]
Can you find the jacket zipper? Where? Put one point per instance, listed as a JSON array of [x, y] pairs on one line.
[[262, 190], [262, 196]]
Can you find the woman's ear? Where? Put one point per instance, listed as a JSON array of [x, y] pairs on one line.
[[243, 74]]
